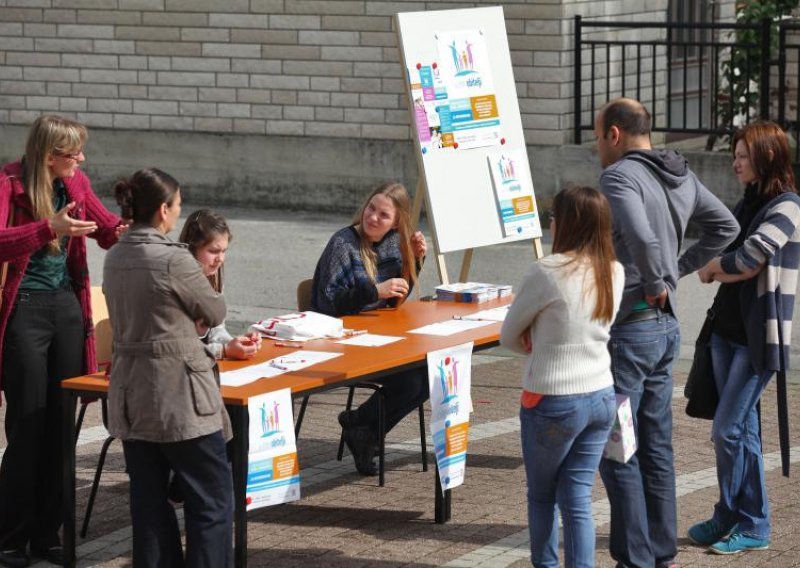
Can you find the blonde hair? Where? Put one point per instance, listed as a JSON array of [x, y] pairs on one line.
[[48, 135], [402, 205]]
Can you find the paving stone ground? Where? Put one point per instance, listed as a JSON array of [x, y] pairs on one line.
[[344, 520]]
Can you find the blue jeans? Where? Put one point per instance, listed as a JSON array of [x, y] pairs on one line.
[[642, 491], [562, 441], [740, 465]]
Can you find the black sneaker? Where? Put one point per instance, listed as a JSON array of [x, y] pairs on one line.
[[14, 558], [348, 419], [360, 443], [53, 554]]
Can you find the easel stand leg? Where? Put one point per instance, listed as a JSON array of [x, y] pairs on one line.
[[240, 421], [466, 262]]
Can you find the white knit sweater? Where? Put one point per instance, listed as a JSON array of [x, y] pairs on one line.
[[570, 352]]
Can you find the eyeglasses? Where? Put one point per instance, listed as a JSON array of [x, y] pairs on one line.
[[72, 156]]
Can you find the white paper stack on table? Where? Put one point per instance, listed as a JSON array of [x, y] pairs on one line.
[[300, 326], [472, 292]]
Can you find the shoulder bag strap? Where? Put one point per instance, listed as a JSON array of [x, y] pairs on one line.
[[783, 410]]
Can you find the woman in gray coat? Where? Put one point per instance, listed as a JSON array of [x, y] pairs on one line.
[[164, 399]]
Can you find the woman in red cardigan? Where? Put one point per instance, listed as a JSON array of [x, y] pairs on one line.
[[47, 208]]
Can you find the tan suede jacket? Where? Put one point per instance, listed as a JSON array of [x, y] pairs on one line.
[[164, 385]]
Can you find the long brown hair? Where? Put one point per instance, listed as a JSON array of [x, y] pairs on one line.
[[49, 135], [201, 228], [402, 205], [768, 149], [583, 230]]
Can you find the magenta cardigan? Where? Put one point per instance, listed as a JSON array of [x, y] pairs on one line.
[[19, 242]]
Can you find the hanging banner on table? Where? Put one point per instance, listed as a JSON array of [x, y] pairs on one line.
[[513, 189], [273, 472], [450, 381]]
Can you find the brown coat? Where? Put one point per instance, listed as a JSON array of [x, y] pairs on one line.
[[164, 385]]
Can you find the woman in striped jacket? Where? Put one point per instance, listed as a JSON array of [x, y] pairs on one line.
[[752, 333]]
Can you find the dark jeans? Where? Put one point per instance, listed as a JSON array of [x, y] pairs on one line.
[[43, 345], [207, 485], [737, 442], [642, 491], [404, 391]]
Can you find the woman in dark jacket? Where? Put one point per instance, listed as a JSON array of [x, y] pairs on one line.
[[371, 264], [751, 333]]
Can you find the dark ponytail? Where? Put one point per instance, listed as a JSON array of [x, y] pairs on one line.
[[143, 194]]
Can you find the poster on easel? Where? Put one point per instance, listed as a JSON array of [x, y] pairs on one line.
[[273, 472], [450, 382], [513, 188], [464, 109]]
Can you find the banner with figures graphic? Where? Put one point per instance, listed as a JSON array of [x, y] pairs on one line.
[[450, 381], [273, 472]]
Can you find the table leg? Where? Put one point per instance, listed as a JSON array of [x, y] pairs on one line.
[[240, 420], [68, 448], [441, 501]]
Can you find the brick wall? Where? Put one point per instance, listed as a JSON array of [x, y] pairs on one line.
[[314, 68]]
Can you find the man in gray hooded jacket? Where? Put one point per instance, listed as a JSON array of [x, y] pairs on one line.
[[653, 196]]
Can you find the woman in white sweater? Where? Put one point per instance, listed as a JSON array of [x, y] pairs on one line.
[[561, 318]]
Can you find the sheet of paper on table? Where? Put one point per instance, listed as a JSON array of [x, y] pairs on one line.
[[493, 314], [450, 327], [370, 340], [274, 367]]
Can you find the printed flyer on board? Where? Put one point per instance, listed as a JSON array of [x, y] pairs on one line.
[[472, 105], [273, 472], [513, 188], [453, 98], [450, 381]]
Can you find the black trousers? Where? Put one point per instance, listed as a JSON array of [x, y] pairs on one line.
[[207, 485], [404, 391], [43, 345]]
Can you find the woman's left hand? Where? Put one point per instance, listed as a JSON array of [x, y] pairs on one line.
[[419, 244], [120, 229], [525, 340], [241, 348], [706, 274], [255, 338]]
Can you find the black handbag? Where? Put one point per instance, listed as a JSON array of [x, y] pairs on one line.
[[701, 388]]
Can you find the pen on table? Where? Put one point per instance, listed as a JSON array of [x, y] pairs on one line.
[[353, 332], [287, 344], [467, 318]]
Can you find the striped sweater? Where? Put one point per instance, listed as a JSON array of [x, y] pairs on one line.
[[341, 283], [772, 241]]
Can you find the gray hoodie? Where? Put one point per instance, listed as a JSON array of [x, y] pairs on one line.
[[645, 238]]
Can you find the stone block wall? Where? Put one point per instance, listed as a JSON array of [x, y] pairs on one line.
[[313, 68]]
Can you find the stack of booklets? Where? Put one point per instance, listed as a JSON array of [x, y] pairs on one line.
[[472, 292]]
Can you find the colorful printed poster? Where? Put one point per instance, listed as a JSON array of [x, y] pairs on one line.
[[513, 188], [427, 90], [273, 472], [450, 380], [473, 117], [464, 62]]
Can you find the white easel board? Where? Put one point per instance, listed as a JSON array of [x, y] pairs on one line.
[[466, 128]]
